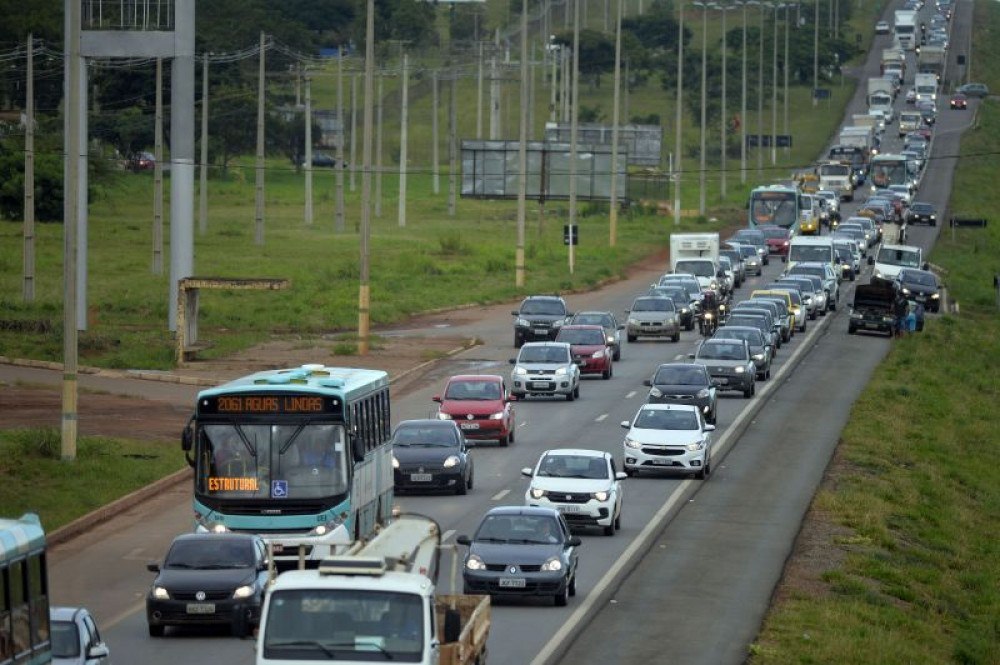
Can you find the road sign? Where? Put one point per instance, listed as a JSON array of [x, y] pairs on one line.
[[821, 93], [974, 222], [783, 140], [571, 234]]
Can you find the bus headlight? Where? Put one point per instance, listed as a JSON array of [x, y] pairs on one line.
[[395, 462]]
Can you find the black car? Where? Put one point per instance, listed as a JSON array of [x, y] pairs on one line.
[[431, 455], [922, 213], [539, 319], [684, 383], [209, 579], [921, 286], [872, 308], [521, 551]]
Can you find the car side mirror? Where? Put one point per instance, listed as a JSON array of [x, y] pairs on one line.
[[625, 424], [512, 361], [98, 651], [463, 540], [436, 398], [709, 428], [647, 382], [574, 541], [526, 471], [926, 266], [153, 567], [620, 475], [514, 313]]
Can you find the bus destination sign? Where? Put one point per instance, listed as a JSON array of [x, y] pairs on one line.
[[265, 404]]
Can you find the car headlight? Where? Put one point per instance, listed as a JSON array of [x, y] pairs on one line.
[[856, 315], [557, 323], [160, 593], [633, 322], [537, 493], [935, 296], [597, 354], [610, 339], [395, 462], [444, 416], [697, 445], [684, 310], [703, 393], [877, 273], [497, 416], [601, 496], [451, 461], [561, 371], [244, 591], [523, 322], [713, 285], [632, 443], [655, 392], [906, 291], [553, 565], [758, 356], [740, 370], [475, 563], [519, 371]]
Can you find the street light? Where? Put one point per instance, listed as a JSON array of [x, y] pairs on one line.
[[774, 88], [760, 92], [743, 104], [788, 22]]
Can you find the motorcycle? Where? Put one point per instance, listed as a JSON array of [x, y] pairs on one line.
[[709, 322]]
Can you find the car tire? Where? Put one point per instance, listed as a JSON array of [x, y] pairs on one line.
[[631, 472], [714, 419], [471, 479], [576, 391], [504, 440], [462, 488], [618, 520], [609, 530], [518, 396], [570, 396], [572, 586], [606, 374], [518, 341], [703, 472], [510, 437], [156, 631], [814, 314], [631, 338], [748, 393], [677, 337], [562, 599], [618, 353], [833, 304]]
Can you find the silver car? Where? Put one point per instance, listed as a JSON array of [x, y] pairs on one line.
[[545, 368], [730, 364], [760, 346], [653, 316]]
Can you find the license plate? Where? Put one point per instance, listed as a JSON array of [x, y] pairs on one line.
[[512, 582], [201, 608], [421, 477], [921, 298], [661, 462], [723, 380], [569, 509], [470, 425], [540, 385]]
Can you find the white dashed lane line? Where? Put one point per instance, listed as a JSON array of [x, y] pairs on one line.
[[499, 495], [600, 417], [630, 394]]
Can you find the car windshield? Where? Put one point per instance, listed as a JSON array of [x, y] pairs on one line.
[[809, 253], [473, 390], [653, 305], [922, 208], [918, 277], [573, 466], [680, 376], [425, 436], [544, 354], [666, 419], [722, 351], [524, 529], [210, 553], [747, 250], [550, 307], [752, 337], [583, 337], [603, 320], [697, 267], [65, 639]]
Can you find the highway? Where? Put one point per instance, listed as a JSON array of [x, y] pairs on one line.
[[692, 570]]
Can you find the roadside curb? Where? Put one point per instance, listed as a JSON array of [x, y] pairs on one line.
[[608, 586]]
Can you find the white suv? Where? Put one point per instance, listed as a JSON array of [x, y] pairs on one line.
[[669, 437], [583, 485], [545, 368]]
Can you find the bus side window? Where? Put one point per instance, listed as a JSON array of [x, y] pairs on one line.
[[38, 597], [6, 643], [19, 607]]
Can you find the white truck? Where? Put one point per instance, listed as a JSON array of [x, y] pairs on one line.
[[862, 137], [837, 177], [376, 603], [925, 87], [697, 254], [931, 60], [905, 28]]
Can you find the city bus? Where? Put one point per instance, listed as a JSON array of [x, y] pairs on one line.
[[776, 205], [24, 593], [300, 456], [889, 170]]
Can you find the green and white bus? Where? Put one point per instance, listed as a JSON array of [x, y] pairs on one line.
[[24, 593], [300, 456]]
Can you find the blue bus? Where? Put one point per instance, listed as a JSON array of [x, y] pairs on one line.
[[776, 205], [300, 456], [24, 593]]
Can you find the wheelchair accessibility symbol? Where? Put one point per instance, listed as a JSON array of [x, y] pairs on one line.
[[279, 489]]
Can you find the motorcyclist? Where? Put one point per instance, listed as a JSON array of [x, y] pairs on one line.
[[709, 319]]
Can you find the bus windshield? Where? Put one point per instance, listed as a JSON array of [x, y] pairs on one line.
[[885, 173], [835, 169], [907, 258], [779, 208]]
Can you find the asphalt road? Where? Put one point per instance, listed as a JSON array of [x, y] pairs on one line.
[[707, 579]]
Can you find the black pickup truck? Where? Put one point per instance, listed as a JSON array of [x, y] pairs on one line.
[[872, 308]]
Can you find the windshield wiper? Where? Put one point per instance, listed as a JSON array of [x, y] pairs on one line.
[[305, 643], [492, 540]]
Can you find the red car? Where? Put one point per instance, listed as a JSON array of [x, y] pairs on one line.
[[777, 239], [590, 349], [959, 101], [480, 404]]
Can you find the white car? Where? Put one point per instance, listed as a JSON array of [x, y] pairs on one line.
[[668, 437], [75, 638], [882, 28], [583, 485]]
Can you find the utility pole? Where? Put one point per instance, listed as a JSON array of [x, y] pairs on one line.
[[760, 95], [74, 151], [788, 12], [157, 267], [743, 103], [364, 294], [815, 53], [479, 95], [495, 90], [28, 293], [309, 152], [566, 63], [531, 92], [724, 119], [404, 114], [522, 155], [354, 127], [613, 211], [203, 167], [678, 138], [338, 214], [378, 146], [554, 85], [259, 167], [574, 124], [704, 102], [774, 89], [453, 144], [435, 158]]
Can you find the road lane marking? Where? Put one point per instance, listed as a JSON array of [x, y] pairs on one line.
[[499, 495], [600, 417], [630, 394], [447, 534], [108, 625]]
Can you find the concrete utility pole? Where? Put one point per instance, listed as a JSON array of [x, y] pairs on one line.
[[704, 102], [679, 136], [404, 114], [760, 94], [724, 119], [435, 158], [531, 92], [479, 95], [203, 167], [309, 152], [364, 294], [815, 53], [774, 89], [566, 63], [28, 293], [788, 12], [613, 211], [157, 267], [338, 215], [743, 103], [573, 128], [522, 155], [453, 145], [554, 86], [495, 90], [259, 166], [74, 151], [378, 147], [354, 128]]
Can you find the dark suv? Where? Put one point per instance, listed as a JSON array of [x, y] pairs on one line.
[[539, 319]]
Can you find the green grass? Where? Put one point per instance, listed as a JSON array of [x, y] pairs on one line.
[[915, 485], [105, 470]]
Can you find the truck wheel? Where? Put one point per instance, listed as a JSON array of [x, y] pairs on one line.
[[676, 337], [631, 338]]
